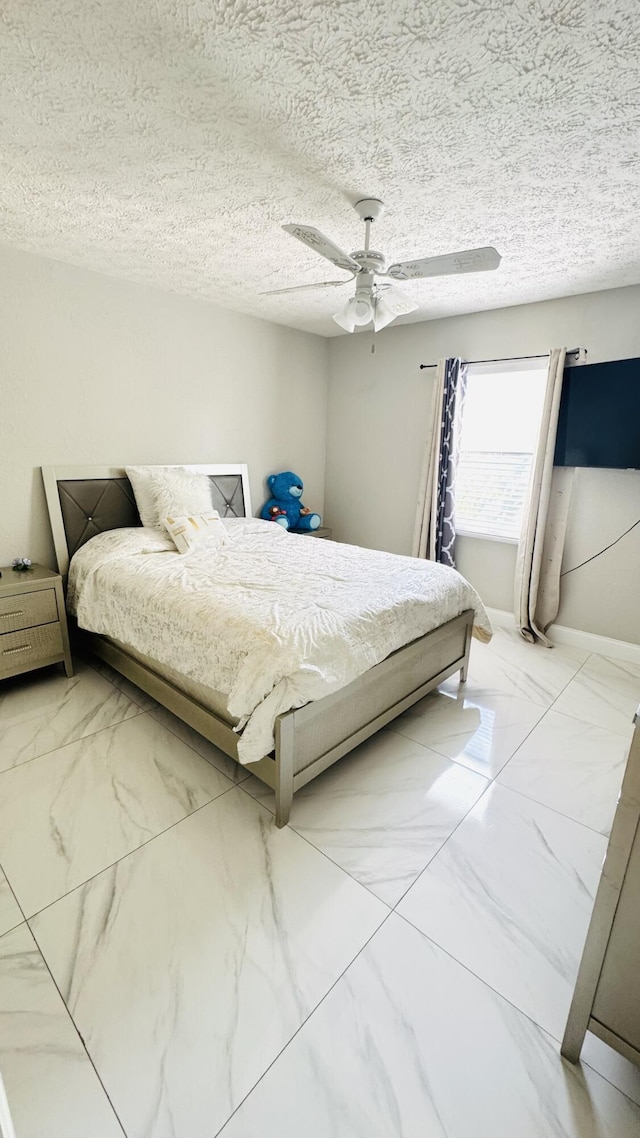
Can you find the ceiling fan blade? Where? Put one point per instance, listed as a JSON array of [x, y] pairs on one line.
[[323, 245], [301, 288], [468, 261]]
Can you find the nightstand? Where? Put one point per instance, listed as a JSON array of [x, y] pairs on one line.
[[321, 531], [33, 621]]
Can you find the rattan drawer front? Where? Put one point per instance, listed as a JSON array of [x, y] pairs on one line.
[[20, 651], [27, 609]]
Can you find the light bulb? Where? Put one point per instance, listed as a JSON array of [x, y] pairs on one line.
[[361, 310]]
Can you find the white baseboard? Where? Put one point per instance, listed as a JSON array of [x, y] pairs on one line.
[[576, 638], [501, 618]]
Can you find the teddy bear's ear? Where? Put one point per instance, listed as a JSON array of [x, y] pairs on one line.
[[271, 481]]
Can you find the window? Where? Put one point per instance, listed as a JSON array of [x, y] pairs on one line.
[[499, 432]]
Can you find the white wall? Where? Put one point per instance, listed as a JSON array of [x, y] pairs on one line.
[[97, 370], [379, 418]]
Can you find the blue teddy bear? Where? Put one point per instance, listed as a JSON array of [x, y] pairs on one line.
[[285, 507]]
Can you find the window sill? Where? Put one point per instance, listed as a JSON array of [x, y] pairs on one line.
[[487, 537]]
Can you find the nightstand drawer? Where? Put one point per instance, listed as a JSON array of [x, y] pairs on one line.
[[20, 651], [27, 609]]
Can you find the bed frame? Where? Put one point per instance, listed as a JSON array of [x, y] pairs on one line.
[[85, 501]]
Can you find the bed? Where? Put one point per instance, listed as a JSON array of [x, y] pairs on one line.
[[84, 502]]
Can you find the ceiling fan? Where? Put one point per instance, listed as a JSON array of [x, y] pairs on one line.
[[375, 301]]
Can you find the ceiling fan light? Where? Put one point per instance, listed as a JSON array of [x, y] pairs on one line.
[[357, 311], [382, 314], [391, 302], [345, 317]]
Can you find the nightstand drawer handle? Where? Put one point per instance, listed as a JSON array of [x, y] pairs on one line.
[[12, 651], [7, 615]]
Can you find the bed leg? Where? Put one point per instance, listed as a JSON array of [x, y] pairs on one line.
[[284, 768], [283, 808], [464, 671]]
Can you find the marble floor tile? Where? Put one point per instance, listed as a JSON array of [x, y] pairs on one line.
[[510, 896], [10, 914], [383, 811], [132, 691], [571, 766], [44, 710], [190, 964], [605, 692], [511, 666], [52, 1088], [235, 771], [71, 813], [481, 733], [409, 1044], [621, 1072]]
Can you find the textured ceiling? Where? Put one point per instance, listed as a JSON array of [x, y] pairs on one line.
[[167, 142]]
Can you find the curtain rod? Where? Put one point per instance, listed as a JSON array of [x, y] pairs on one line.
[[508, 359]]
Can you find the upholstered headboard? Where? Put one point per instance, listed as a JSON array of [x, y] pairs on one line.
[[85, 501]]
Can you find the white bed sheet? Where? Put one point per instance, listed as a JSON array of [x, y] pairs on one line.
[[271, 619]]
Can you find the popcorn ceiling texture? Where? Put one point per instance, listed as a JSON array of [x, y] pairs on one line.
[[167, 141]]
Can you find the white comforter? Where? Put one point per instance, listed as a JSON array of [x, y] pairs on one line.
[[271, 619]]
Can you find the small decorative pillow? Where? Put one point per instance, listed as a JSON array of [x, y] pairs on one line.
[[168, 491], [194, 530]]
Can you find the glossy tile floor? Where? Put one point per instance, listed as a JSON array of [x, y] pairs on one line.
[[397, 963]]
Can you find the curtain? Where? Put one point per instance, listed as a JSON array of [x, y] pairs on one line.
[[434, 533], [537, 582], [420, 546]]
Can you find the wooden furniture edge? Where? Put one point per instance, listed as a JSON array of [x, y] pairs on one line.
[[626, 824]]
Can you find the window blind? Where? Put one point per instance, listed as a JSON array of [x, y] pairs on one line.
[[491, 488]]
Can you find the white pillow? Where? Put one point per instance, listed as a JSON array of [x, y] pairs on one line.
[[168, 491], [197, 529]]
